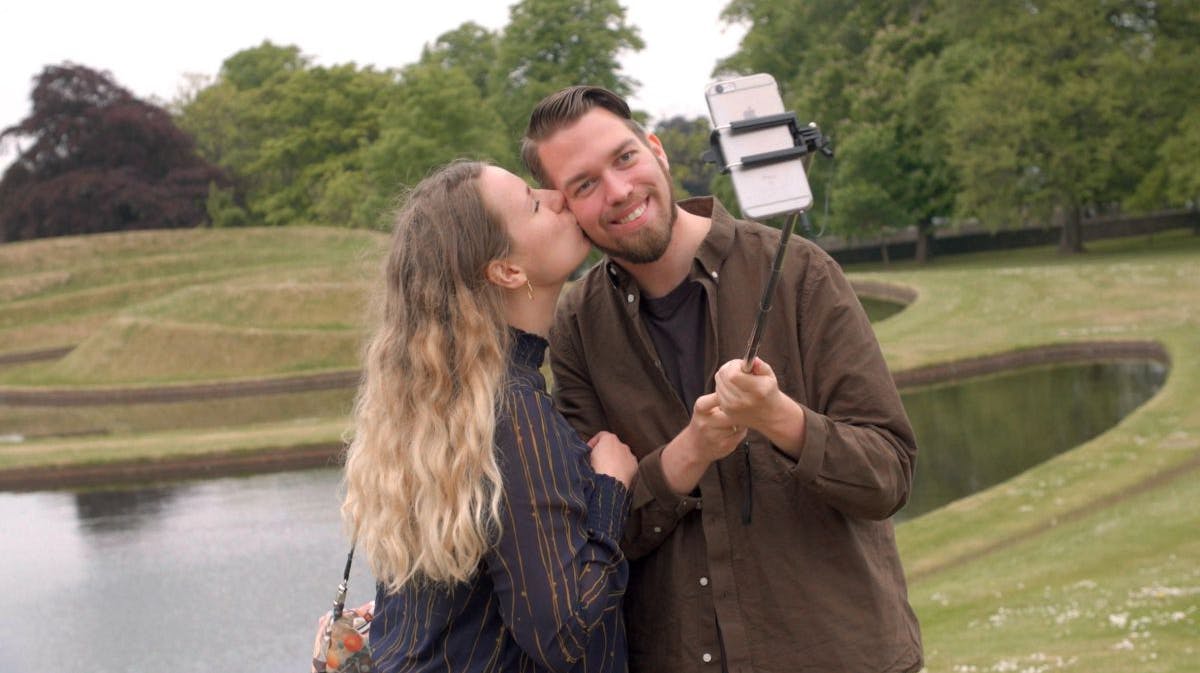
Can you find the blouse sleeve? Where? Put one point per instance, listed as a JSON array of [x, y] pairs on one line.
[[557, 567]]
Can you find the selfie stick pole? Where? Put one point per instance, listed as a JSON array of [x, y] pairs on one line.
[[764, 306]]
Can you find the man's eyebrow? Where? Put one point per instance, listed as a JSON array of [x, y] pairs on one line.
[[620, 149]]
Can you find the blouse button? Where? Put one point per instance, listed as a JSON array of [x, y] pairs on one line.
[[707, 657], [703, 581], [715, 275], [629, 298], [658, 529]]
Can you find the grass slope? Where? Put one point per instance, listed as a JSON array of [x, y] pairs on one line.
[[1088, 562]]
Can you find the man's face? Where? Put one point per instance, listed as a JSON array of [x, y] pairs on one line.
[[616, 185]]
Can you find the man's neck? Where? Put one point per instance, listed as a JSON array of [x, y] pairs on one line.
[[658, 278]]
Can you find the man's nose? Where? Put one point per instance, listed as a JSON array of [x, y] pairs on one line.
[[616, 188], [552, 199]]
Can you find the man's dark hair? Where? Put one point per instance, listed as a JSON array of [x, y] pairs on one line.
[[563, 108]]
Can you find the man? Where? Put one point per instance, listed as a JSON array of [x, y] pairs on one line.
[[760, 536]]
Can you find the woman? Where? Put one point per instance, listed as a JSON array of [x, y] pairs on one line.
[[491, 527]]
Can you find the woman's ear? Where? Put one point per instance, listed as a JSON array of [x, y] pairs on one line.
[[505, 274]]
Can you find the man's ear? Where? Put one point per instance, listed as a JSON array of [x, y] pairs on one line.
[[656, 147], [505, 274]]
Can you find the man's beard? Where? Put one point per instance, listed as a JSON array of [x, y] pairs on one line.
[[651, 243]]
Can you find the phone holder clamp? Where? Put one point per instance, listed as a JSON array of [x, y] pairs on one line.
[[806, 140]]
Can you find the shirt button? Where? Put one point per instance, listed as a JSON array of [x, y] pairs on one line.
[[703, 581], [629, 298], [658, 529], [715, 275], [707, 657]]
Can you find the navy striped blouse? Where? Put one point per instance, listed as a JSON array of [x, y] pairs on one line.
[[547, 597]]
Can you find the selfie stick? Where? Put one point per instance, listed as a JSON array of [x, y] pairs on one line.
[[764, 306], [806, 140]]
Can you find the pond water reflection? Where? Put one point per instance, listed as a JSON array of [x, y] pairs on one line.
[[977, 433], [228, 575]]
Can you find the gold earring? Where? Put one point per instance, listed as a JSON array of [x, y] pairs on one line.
[[530, 286]]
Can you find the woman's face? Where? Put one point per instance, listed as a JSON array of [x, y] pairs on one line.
[[547, 243]]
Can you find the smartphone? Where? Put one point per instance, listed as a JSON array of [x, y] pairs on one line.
[[766, 190]]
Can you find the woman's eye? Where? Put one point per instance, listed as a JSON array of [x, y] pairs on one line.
[[536, 204]]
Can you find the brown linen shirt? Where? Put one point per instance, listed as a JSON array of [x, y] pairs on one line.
[[780, 564]]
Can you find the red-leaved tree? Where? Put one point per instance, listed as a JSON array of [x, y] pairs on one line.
[[100, 160]]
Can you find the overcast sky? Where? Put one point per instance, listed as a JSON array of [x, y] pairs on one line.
[[149, 46]]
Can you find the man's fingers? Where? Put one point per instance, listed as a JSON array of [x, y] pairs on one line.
[[705, 403]]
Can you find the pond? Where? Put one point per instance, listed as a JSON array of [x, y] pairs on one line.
[[231, 574], [224, 575], [978, 433]]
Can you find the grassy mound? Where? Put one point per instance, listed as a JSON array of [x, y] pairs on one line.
[[1087, 562], [238, 303]]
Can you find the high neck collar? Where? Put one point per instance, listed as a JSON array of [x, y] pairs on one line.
[[528, 349]]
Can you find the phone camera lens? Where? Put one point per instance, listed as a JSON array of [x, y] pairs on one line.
[[720, 88]]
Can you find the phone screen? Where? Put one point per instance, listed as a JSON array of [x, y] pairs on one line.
[[762, 191]]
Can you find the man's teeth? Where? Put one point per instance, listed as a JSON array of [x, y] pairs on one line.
[[637, 212]]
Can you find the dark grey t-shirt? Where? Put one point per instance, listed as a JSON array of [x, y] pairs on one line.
[[675, 322]]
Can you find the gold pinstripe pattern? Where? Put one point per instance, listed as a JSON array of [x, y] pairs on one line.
[[547, 597]]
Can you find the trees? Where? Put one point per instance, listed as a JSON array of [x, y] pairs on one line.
[[334, 145], [100, 160], [1009, 113], [549, 44], [289, 132]]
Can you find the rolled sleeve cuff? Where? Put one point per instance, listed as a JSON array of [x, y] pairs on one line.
[[812, 453], [608, 508], [651, 486]]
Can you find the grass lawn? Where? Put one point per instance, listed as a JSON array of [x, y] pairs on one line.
[[1088, 562]]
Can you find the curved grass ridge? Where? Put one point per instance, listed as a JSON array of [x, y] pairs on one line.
[[1086, 562]]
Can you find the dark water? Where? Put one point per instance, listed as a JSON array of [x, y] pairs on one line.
[[221, 575], [879, 309], [231, 574], [975, 434]]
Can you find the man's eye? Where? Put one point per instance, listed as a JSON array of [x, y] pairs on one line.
[[626, 157], [584, 187]]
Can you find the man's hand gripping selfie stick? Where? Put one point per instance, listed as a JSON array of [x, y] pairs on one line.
[[806, 141]]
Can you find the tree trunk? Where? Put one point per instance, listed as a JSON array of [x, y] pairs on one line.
[[924, 236], [1070, 219], [883, 251]]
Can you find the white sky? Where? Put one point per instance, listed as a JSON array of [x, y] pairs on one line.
[[149, 46]]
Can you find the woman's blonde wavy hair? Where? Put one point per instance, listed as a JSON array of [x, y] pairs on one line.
[[422, 484]]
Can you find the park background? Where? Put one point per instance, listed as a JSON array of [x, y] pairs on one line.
[[183, 287]]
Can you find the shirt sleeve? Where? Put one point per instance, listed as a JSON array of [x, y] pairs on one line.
[[655, 510], [859, 450], [557, 567]]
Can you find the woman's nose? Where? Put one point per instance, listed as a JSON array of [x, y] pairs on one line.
[[552, 199]]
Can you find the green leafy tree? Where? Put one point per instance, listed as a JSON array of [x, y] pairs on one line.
[[1165, 111], [1056, 125], [549, 44], [685, 142], [818, 51], [290, 133], [437, 115], [470, 47], [892, 169]]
